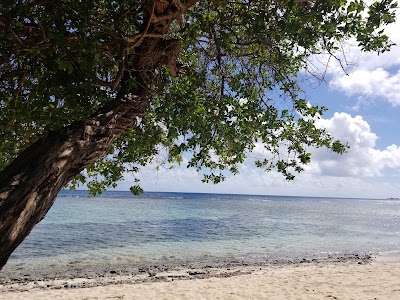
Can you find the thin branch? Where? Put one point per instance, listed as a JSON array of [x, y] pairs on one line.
[[17, 38], [121, 68], [334, 56], [146, 28], [95, 78], [133, 38]]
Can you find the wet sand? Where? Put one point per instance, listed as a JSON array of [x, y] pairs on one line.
[[355, 278]]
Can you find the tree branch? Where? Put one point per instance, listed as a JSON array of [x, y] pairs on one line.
[[146, 28]]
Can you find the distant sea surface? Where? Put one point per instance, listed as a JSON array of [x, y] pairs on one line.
[[119, 229]]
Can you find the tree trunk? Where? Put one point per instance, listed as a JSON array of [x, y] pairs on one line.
[[30, 184]]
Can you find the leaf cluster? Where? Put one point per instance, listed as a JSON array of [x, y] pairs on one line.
[[237, 91]]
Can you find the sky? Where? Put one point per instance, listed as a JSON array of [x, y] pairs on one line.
[[364, 111]]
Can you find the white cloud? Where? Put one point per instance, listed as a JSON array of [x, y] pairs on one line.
[[374, 83], [369, 75], [371, 61], [362, 159]]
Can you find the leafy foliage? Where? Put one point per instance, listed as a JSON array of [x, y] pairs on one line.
[[240, 60]]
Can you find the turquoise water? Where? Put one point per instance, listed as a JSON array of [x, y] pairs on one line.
[[179, 228]]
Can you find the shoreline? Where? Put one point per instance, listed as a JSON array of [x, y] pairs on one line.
[[348, 279], [164, 273]]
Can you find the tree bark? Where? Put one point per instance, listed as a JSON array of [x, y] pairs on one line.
[[30, 184]]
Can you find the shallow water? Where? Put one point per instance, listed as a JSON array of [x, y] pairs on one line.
[[179, 228]]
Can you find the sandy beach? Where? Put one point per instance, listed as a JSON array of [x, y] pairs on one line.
[[378, 279]]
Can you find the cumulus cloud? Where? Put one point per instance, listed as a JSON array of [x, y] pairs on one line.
[[369, 75], [362, 159], [370, 83]]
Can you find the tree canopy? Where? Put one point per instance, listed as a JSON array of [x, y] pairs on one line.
[[228, 79]]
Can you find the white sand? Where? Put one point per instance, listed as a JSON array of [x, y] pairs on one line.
[[377, 280]]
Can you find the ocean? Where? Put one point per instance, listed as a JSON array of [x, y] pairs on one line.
[[121, 231]]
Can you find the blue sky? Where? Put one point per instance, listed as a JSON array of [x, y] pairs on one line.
[[364, 110]]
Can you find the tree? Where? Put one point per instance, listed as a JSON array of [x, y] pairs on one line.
[[105, 86]]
